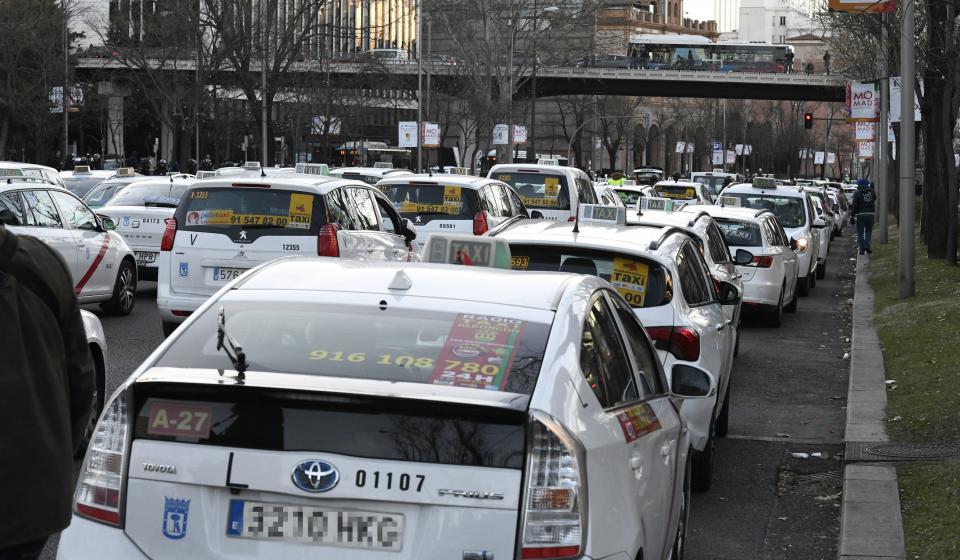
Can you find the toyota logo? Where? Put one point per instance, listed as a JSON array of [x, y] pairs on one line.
[[315, 476]]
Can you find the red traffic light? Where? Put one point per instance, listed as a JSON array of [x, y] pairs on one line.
[[808, 120]]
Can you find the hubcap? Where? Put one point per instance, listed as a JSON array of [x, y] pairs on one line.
[[126, 288]]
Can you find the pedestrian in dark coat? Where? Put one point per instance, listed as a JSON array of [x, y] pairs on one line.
[[862, 212], [47, 383]]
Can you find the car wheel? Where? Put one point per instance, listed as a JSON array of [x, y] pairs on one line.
[[680, 540], [803, 286], [702, 465], [723, 420], [124, 291], [792, 306], [168, 328], [822, 270], [99, 389], [775, 319]]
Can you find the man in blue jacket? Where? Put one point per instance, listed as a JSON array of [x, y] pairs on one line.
[[862, 212]]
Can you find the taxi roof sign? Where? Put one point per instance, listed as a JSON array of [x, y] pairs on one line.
[[659, 204], [456, 170], [733, 201], [764, 182], [251, 165], [313, 168], [125, 172], [548, 161], [603, 215], [81, 169], [467, 250], [204, 173], [383, 165]]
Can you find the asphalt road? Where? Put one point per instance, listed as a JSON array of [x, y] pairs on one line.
[[789, 388]]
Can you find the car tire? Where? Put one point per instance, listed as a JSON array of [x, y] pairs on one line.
[[678, 550], [702, 464], [124, 291], [803, 286], [168, 328], [723, 419], [100, 376], [822, 270], [775, 318], [792, 306]]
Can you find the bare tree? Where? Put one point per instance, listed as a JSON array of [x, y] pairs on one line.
[[614, 120]]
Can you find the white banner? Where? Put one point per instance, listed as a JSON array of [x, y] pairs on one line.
[[690, 147], [739, 149], [748, 149], [519, 134], [680, 147], [431, 135], [831, 158], [891, 137], [731, 157], [865, 150], [895, 101], [717, 157], [864, 102], [865, 131], [818, 158], [500, 135], [408, 134]]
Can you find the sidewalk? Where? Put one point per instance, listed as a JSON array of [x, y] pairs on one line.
[[870, 521]]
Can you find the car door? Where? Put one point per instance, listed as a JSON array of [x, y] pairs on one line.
[[368, 241], [630, 459], [723, 267], [97, 251], [45, 223], [791, 263], [704, 311]]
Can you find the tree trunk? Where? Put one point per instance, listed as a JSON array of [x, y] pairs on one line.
[[936, 131], [4, 135]]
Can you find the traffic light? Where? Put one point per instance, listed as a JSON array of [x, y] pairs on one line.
[[808, 120]]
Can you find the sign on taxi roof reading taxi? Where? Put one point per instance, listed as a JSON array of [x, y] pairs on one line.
[[605, 215], [730, 201], [313, 168], [467, 250], [656, 203], [125, 172], [764, 182]]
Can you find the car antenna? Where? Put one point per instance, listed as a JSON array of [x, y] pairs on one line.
[[576, 222], [233, 350], [262, 172]]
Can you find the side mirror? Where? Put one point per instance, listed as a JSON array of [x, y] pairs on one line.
[[819, 224], [691, 382], [409, 231], [742, 257], [729, 294], [794, 244], [536, 215], [107, 223]]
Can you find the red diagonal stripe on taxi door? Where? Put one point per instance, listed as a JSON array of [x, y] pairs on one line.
[[93, 267]]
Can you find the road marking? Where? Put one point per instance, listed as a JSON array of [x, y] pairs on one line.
[[93, 267]]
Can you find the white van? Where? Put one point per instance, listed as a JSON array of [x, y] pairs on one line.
[[225, 226], [552, 192]]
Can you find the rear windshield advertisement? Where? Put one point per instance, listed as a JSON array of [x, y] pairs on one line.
[[677, 192], [248, 207], [539, 190], [426, 200]]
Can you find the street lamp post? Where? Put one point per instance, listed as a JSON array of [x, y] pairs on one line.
[[66, 80]]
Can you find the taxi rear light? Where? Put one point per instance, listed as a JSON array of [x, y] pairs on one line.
[[169, 234], [761, 261], [572, 219], [181, 313], [554, 506], [480, 224], [327, 245], [100, 488], [682, 342]]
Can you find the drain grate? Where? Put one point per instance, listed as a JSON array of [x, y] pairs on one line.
[[814, 478], [873, 451]]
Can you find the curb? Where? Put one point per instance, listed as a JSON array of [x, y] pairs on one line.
[[870, 522]]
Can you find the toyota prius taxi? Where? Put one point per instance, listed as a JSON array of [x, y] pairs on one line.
[[331, 408]]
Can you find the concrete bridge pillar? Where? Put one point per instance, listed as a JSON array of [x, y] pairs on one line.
[[115, 93]]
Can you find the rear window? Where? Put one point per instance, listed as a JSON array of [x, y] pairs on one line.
[[643, 283], [629, 197], [437, 201], [713, 183], [142, 195], [415, 346], [740, 234], [678, 192], [539, 190], [368, 179], [102, 193], [221, 209], [787, 209]]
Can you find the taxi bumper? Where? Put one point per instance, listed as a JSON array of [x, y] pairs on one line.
[[85, 539]]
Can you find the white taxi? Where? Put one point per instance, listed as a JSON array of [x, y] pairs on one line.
[[81, 179], [661, 273], [140, 211], [452, 203], [338, 409], [551, 192], [794, 210], [224, 226], [102, 193], [18, 169], [684, 191], [101, 264], [770, 275]]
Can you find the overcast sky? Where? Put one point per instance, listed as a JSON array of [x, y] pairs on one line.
[[699, 9]]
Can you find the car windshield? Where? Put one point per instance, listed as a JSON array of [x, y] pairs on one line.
[[542, 191], [141, 195], [642, 282], [486, 352], [787, 209], [740, 234]]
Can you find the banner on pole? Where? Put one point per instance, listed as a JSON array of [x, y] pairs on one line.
[[690, 147], [717, 157], [500, 135], [861, 7], [739, 149], [831, 158], [431, 135], [731, 157], [863, 102], [865, 131], [895, 101], [818, 158], [519, 134], [408, 134], [681, 147], [865, 150]]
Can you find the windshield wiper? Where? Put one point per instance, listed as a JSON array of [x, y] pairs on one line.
[[233, 350]]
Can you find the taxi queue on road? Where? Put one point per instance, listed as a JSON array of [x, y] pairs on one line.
[[420, 366]]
